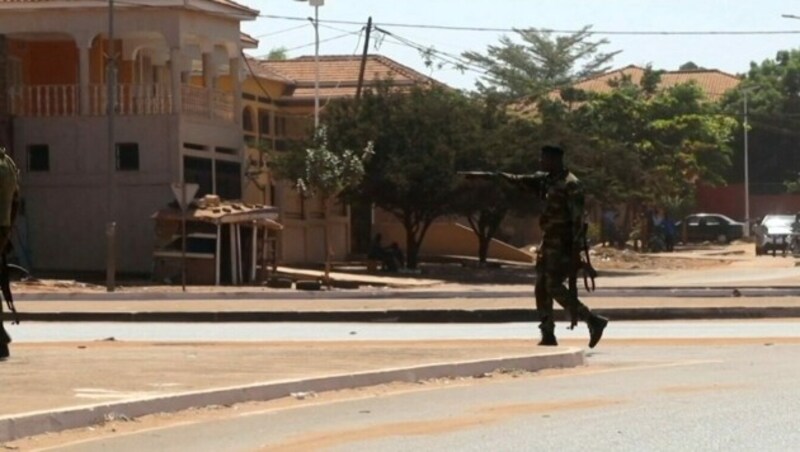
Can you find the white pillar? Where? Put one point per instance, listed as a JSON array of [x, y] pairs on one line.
[[175, 64], [83, 77], [235, 67]]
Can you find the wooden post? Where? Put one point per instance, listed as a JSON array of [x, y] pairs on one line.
[[111, 256], [184, 208]]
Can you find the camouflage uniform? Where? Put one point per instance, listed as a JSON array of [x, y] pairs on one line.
[[562, 228], [8, 193]]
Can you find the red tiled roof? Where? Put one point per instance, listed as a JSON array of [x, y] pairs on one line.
[[229, 3], [338, 74], [713, 82]]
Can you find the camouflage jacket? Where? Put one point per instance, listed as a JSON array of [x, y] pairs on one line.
[[562, 219], [563, 216]]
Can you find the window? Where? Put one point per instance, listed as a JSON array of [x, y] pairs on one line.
[[229, 180], [198, 171], [263, 122], [247, 120], [38, 157], [127, 156]]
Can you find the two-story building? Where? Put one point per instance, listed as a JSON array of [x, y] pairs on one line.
[[178, 93]]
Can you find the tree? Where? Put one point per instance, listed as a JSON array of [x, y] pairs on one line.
[[502, 143], [643, 146], [538, 62], [322, 172], [417, 134], [772, 88], [277, 54]]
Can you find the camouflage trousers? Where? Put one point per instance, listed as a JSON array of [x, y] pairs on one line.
[[5, 234], [552, 277]]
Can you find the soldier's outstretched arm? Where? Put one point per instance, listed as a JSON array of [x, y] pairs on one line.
[[532, 182]]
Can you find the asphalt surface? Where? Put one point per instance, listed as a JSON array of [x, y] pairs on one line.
[[630, 398], [69, 331]]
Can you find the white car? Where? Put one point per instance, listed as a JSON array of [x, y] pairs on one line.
[[775, 233]]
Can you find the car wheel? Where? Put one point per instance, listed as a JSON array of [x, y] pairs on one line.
[[722, 238]]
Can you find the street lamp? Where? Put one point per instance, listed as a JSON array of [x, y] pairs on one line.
[[316, 4]]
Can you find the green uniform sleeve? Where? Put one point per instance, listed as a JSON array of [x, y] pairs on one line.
[[576, 204]]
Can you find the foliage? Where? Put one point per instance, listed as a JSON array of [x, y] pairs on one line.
[[277, 54], [502, 143], [537, 61], [418, 134], [772, 91], [638, 145]]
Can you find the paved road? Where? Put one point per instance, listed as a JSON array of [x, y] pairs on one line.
[[630, 398], [68, 331]]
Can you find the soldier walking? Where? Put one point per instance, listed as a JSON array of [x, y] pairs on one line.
[[564, 233], [9, 192]]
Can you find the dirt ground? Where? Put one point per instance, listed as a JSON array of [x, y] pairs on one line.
[[466, 269]]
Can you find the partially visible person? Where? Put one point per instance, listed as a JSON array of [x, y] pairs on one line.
[[9, 197]]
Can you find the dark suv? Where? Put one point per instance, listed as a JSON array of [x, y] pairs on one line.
[[711, 227]]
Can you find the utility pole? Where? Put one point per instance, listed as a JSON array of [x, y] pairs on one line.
[[746, 172], [316, 65], [111, 84], [363, 61]]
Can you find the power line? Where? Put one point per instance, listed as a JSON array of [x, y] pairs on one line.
[[282, 31], [552, 30]]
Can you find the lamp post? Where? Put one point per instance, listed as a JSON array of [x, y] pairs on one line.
[[316, 4]]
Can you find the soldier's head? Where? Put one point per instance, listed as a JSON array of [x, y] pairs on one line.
[[552, 159]]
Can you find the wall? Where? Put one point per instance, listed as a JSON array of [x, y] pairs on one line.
[[729, 201], [66, 208]]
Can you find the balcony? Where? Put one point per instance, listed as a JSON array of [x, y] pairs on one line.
[[49, 101]]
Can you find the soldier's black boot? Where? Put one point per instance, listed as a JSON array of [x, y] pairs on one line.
[[548, 336], [596, 325], [5, 339]]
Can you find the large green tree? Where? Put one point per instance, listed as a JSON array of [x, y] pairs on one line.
[[502, 143], [417, 135], [533, 62], [772, 89], [640, 145]]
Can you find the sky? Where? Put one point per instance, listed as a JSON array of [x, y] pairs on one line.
[[728, 53]]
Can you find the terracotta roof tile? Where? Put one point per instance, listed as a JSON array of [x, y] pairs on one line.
[[713, 82], [229, 3], [338, 74]]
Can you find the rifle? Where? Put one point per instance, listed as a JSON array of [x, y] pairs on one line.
[[5, 286], [589, 273]]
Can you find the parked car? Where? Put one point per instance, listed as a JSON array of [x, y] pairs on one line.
[[711, 227], [774, 233]]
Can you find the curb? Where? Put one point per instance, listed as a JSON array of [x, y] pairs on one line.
[[34, 423], [406, 316], [357, 294]]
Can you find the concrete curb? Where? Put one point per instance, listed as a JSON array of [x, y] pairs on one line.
[[34, 423], [407, 316], [407, 294]]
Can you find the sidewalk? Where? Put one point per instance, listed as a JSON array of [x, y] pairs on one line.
[[55, 386]]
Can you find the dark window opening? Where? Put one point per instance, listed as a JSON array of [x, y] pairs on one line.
[[263, 122], [198, 171], [39, 157], [127, 156], [229, 180], [229, 151], [247, 120], [195, 147]]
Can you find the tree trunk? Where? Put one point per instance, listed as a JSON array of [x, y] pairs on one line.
[[483, 248], [412, 248], [327, 242]]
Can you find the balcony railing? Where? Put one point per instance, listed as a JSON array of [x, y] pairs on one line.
[[132, 99], [44, 100], [41, 101]]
